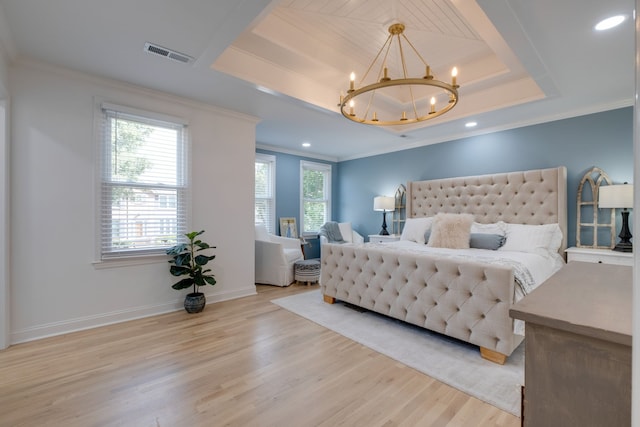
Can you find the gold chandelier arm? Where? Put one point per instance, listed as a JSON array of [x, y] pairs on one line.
[[384, 60], [415, 111], [404, 74], [423, 61], [376, 58], [402, 61], [413, 102], [366, 112], [415, 50]]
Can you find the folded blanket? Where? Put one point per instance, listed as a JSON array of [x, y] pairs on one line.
[[331, 231]]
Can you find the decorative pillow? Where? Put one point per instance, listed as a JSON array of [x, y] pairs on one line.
[[486, 241], [414, 229], [451, 231], [541, 239], [345, 230], [499, 227]]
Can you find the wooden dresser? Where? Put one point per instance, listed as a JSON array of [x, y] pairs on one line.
[[578, 347]]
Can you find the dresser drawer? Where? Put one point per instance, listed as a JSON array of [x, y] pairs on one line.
[[601, 256], [378, 238]]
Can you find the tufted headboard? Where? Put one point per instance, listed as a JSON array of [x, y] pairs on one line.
[[527, 197]]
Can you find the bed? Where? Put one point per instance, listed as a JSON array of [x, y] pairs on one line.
[[462, 293]]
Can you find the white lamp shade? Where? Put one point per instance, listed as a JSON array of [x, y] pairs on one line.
[[615, 196], [384, 203]]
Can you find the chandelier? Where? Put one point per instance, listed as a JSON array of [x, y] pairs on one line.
[[361, 104]]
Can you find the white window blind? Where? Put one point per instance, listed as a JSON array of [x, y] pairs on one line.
[[143, 183], [315, 195], [265, 197]]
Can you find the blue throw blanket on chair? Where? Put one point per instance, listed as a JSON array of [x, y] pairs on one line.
[[331, 231]]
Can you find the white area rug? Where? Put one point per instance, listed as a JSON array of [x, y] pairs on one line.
[[450, 361]]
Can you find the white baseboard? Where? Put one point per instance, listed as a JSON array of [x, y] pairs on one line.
[[95, 321]]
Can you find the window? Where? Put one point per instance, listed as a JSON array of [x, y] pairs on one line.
[[265, 200], [143, 182], [315, 196]]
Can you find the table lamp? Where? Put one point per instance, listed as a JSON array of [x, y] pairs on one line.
[[619, 196], [384, 204]]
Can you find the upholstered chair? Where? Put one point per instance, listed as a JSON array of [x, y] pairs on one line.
[[348, 234], [275, 257]]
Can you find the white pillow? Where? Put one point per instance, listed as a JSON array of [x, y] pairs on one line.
[[499, 227], [345, 230], [541, 239], [414, 229], [451, 231]]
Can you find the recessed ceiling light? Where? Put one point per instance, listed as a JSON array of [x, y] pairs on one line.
[[266, 90], [611, 22], [471, 124], [306, 144]]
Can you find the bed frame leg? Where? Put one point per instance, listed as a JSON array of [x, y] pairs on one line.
[[493, 356], [328, 299]]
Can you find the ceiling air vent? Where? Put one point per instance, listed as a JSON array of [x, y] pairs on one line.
[[167, 53]]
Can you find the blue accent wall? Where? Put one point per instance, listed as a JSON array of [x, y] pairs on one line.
[[603, 139], [288, 192]]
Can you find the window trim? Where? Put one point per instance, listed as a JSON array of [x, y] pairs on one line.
[[323, 167], [146, 255], [268, 158]]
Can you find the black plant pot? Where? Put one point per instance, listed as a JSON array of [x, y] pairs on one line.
[[194, 302]]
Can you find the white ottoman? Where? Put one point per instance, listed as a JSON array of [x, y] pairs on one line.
[[307, 270]]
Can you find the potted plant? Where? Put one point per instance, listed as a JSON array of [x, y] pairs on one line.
[[185, 262]]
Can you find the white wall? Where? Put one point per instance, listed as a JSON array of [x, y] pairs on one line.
[[635, 343], [55, 287], [4, 199]]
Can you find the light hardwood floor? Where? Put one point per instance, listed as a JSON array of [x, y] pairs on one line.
[[245, 362]]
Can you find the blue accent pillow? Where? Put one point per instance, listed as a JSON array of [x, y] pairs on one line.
[[486, 241], [479, 240]]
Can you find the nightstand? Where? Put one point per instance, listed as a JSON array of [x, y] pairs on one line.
[[601, 256], [378, 238]]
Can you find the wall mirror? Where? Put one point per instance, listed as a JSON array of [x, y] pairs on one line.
[[400, 212], [595, 227]]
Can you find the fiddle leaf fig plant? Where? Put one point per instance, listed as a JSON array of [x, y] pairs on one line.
[[187, 262]]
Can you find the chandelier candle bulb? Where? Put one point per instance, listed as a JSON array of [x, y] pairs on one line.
[[352, 82], [454, 74], [433, 105], [375, 117], [428, 75], [404, 115], [351, 105]]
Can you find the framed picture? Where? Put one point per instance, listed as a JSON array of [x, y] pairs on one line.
[[288, 227]]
